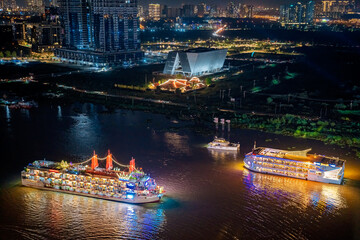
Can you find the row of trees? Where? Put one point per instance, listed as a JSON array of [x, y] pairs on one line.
[[8, 54], [343, 133]]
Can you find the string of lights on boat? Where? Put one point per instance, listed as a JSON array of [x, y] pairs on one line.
[[102, 159]]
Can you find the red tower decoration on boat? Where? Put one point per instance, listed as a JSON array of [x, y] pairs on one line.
[[132, 165], [109, 164], [94, 162]]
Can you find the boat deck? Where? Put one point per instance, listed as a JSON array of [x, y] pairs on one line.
[[302, 156]]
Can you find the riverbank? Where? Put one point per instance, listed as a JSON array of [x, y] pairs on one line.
[[342, 131], [314, 97]]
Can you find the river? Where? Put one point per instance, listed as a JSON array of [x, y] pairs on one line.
[[209, 195]]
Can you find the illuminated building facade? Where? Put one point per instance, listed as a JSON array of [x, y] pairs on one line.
[[100, 31], [246, 11], [299, 13], [36, 6], [154, 11], [8, 4], [336, 8], [195, 62], [201, 10]]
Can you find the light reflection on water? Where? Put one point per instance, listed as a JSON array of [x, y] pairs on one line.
[[8, 116], [209, 193], [84, 132], [176, 143], [65, 216], [327, 197], [223, 156], [59, 112]]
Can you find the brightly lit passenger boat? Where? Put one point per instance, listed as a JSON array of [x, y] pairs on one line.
[[296, 164], [131, 185], [222, 144]]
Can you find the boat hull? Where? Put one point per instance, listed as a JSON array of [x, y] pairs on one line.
[[322, 180], [235, 148], [136, 200]]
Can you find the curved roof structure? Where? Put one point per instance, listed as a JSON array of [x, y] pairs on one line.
[[195, 62]]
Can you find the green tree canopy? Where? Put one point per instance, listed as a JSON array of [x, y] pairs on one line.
[[340, 106], [208, 81], [7, 53]]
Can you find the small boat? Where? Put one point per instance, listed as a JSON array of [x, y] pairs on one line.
[[222, 144]]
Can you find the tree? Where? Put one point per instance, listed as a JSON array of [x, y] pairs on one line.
[[208, 81], [13, 54], [1, 54], [7, 53], [340, 106], [269, 100]]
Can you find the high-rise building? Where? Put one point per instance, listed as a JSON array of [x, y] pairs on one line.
[[154, 11], [100, 31], [78, 23], [189, 10], [172, 12], [201, 10], [141, 11], [298, 13], [246, 11], [44, 37], [232, 10], [36, 6], [336, 8], [309, 12], [8, 4]]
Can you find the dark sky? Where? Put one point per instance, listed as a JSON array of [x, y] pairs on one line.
[[177, 3]]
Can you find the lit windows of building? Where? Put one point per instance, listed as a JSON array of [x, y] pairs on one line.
[[154, 11], [100, 31], [298, 13]]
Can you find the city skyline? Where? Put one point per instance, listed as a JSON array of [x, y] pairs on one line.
[[175, 3]]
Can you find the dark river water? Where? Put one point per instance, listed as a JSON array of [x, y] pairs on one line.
[[209, 194]]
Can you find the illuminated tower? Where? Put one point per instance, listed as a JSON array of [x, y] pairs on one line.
[[115, 25], [299, 13], [154, 11], [106, 31]]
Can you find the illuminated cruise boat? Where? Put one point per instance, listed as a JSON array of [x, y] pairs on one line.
[[131, 185], [222, 144], [296, 164]]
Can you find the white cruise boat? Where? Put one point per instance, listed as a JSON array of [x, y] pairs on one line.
[[222, 144], [296, 164], [130, 185]]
